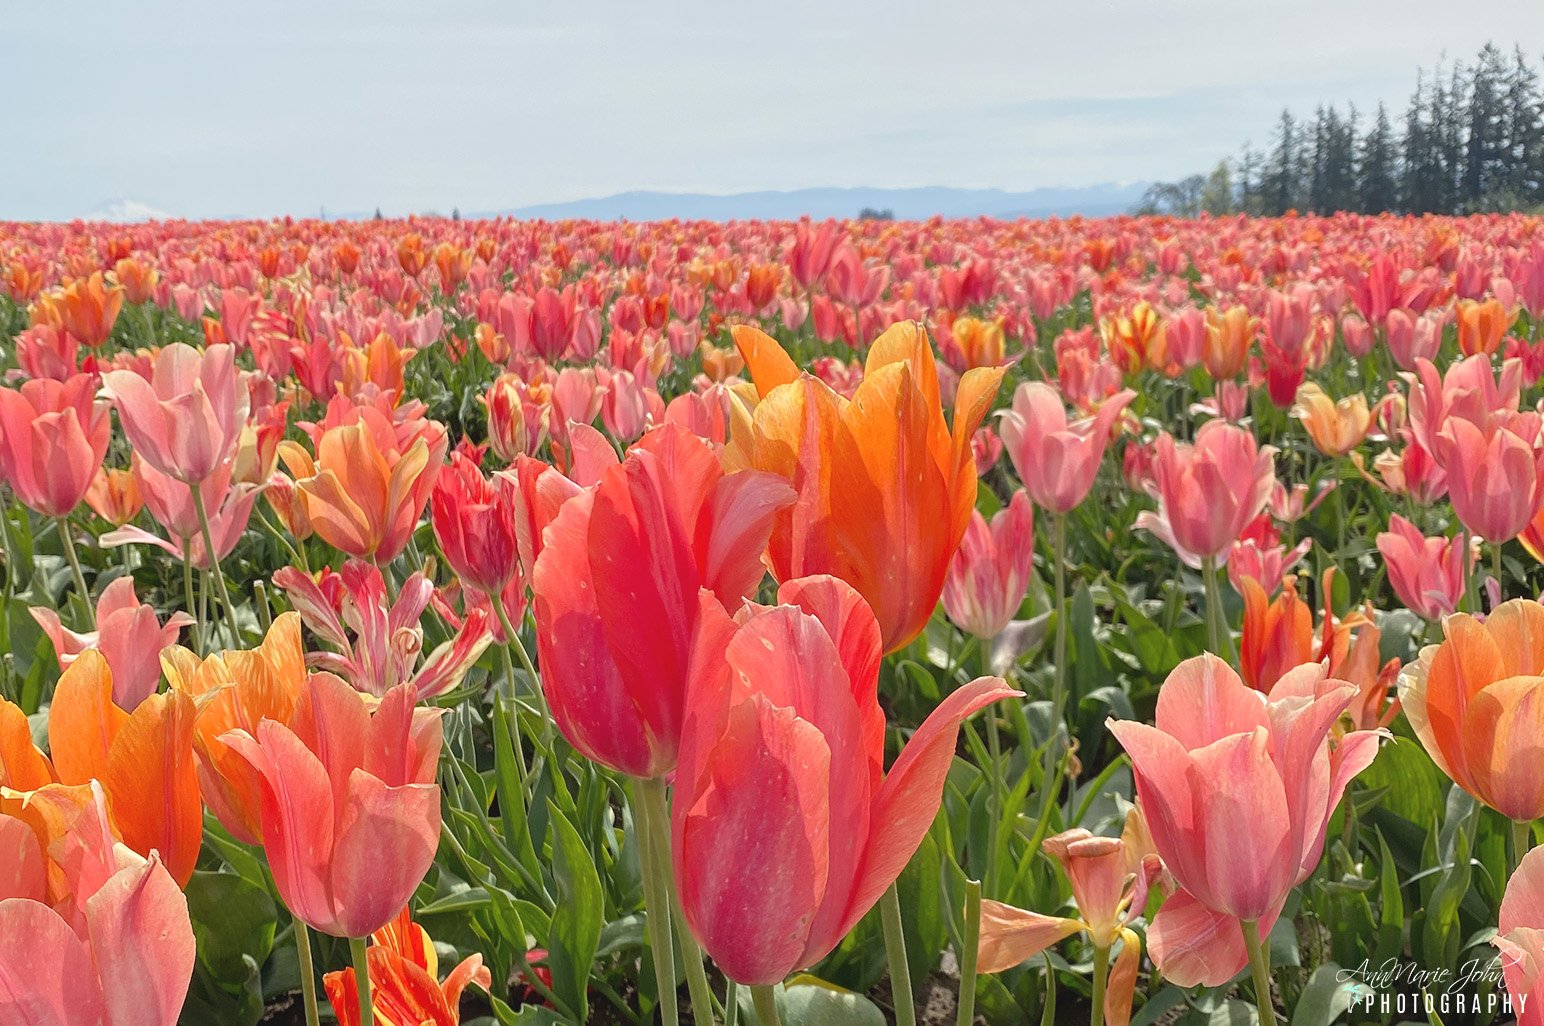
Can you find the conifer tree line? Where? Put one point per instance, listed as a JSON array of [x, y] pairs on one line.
[[1471, 139]]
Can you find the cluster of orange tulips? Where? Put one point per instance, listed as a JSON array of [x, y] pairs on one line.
[[658, 614]]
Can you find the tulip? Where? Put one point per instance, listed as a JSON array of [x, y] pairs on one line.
[[783, 740], [350, 810], [979, 343], [1336, 427], [615, 591], [175, 506], [1057, 460], [1277, 634], [138, 279], [370, 480], [1229, 334], [143, 760], [88, 309], [53, 437], [119, 951], [405, 988], [1208, 491], [1474, 701], [1495, 475], [1470, 389], [1520, 938], [1428, 575], [128, 634], [1108, 896], [474, 522], [1238, 788], [990, 573], [186, 419], [885, 486], [1481, 326], [114, 495]]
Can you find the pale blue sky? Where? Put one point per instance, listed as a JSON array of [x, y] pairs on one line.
[[213, 109]]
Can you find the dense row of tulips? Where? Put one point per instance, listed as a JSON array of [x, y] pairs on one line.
[[804, 618]]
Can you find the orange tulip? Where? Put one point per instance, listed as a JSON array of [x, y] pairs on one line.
[[1229, 334], [1481, 326], [886, 486], [1277, 635], [1476, 702], [138, 279], [143, 760], [89, 308], [237, 690], [1335, 427], [114, 495], [405, 988]]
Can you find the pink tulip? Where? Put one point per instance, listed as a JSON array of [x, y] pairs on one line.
[[350, 809], [119, 951], [786, 828], [1520, 938], [1238, 789], [1208, 492], [1470, 389], [991, 569], [1427, 574], [1057, 461], [170, 502], [186, 420], [1495, 474], [53, 437], [128, 635]]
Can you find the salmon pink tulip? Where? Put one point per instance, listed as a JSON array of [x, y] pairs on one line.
[[53, 437], [1520, 938], [1057, 460], [1495, 474], [1209, 491], [185, 420], [1428, 575]]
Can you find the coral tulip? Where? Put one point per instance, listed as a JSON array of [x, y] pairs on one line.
[[350, 809], [786, 829], [114, 495], [1238, 789], [1208, 492], [1428, 575], [1495, 475], [186, 419], [474, 522], [1476, 701], [885, 485], [1520, 938], [1277, 635], [128, 634], [1057, 460], [53, 437]]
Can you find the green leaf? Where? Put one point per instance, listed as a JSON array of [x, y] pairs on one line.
[[808, 1001], [578, 918], [1325, 997], [233, 921]]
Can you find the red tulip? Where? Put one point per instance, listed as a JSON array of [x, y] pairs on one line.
[[786, 828], [474, 522]]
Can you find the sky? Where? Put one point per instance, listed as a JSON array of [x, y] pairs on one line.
[[254, 110]]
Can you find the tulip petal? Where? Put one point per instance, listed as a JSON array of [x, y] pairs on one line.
[[22, 766], [23, 874], [768, 363], [1011, 935], [152, 783], [143, 945], [83, 721], [1193, 945], [386, 843], [46, 975]]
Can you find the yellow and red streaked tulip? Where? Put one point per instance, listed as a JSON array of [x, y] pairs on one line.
[[237, 690], [370, 480], [118, 949], [474, 522], [885, 485], [1277, 634], [1476, 702], [1209, 491], [1336, 427], [1428, 575], [1482, 326], [88, 309], [114, 495], [405, 988], [1135, 340], [1495, 473], [1108, 893], [1229, 335], [128, 634], [350, 809], [53, 437], [143, 760], [1520, 939], [980, 343], [615, 591], [783, 741], [990, 572], [186, 419], [1057, 460], [1238, 788]]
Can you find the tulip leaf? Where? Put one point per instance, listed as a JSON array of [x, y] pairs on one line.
[[808, 1001], [233, 921], [1324, 998], [577, 921]]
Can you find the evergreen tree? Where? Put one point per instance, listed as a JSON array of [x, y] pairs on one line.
[[1376, 170]]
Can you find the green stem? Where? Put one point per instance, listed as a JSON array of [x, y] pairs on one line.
[[1059, 546], [307, 973], [514, 727], [1522, 841], [512, 640], [356, 946], [651, 793], [214, 565], [197, 630], [1101, 979], [1215, 631], [1260, 964], [656, 896], [765, 1001], [731, 1004], [999, 795], [1495, 568], [972, 938], [68, 538], [895, 953]]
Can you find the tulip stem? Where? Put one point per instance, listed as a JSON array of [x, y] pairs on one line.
[[1101, 980], [1059, 545], [968, 956], [765, 1001], [895, 952], [1260, 963], [356, 946], [656, 896], [1214, 628], [214, 565], [657, 811], [67, 537], [1522, 840], [197, 630], [1495, 564], [512, 640], [307, 973]]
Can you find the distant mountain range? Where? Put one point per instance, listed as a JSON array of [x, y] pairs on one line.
[[908, 204]]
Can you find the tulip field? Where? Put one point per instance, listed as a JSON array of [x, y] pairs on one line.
[[420, 622]]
